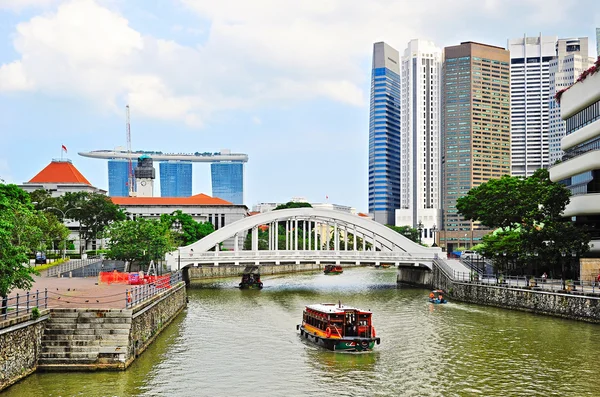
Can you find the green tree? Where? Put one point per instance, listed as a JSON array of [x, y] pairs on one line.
[[138, 241], [292, 204], [409, 232], [93, 211], [18, 236], [190, 230], [532, 231]]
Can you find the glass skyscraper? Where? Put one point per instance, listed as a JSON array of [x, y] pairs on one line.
[[384, 134], [175, 179], [228, 181], [117, 178]]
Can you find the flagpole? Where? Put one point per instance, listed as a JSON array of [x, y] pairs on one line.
[[61, 153]]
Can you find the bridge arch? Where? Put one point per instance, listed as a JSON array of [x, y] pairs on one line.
[[381, 238]]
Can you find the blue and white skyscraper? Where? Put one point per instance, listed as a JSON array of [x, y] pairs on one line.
[[117, 178], [384, 134], [175, 179], [228, 181]]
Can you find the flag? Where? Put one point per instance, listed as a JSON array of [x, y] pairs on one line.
[[64, 148]]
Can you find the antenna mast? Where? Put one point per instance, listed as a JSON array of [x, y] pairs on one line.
[[130, 164]]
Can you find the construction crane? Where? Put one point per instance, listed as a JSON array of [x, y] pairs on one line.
[[130, 186]]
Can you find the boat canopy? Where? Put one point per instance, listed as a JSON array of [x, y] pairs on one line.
[[333, 308]]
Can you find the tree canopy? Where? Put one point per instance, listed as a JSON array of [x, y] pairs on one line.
[[292, 204], [138, 241], [93, 211], [19, 235], [532, 233], [190, 230], [409, 232]]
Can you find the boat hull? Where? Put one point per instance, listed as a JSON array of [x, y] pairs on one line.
[[346, 344], [251, 286], [437, 301], [335, 272]]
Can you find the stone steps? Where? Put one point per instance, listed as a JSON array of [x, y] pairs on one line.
[[84, 337]]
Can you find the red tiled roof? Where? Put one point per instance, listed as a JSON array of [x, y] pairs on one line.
[[60, 172], [198, 199], [253, 213], [364, 215]]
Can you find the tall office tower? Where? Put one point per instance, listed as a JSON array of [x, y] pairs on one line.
[[598, 42], [420, 105], [530, 59], [228, 181], [475, 131], [570, 61], [384, 135], [175, 179], [118, 178]]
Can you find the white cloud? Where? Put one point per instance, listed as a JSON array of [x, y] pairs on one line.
[[21, 4], [256, 120], [255, 52], [13, 77]]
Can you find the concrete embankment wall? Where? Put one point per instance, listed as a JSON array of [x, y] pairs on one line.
[[20, 341], [195, 274], [151, 318], [84, 339], [571, 306]]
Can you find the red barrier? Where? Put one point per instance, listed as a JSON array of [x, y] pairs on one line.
[[134, 279]]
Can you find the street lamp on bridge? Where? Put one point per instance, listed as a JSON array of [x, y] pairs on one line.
[[420, 229]]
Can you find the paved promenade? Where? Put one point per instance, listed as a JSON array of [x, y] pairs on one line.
[[78, 293]]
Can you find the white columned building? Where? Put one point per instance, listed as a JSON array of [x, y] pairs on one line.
[[571, 60], [420, 138], [530, 59]]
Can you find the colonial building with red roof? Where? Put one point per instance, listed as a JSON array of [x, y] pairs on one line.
[[58, 178]]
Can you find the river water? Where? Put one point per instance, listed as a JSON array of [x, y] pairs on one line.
[[244, 343]]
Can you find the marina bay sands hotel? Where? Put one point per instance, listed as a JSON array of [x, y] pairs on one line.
[[227, 172]]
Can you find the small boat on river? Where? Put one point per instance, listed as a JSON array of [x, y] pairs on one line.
[[339, 327], [437, 296], [251, 278], [333, 269]]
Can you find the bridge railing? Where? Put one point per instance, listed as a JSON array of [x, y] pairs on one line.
[[73, 264], [381, 255]]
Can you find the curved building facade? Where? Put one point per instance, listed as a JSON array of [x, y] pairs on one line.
[[580, 166]]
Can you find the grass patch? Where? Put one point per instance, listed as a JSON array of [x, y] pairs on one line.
[[49, 265]]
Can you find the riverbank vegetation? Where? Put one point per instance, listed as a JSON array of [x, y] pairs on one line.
[[531, 234]]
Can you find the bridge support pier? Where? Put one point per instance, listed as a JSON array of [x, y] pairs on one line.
[[416, 276]]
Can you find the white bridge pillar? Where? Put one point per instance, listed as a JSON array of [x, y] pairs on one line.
[[255, 238]]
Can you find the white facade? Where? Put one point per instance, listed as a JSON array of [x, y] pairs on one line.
[[580, 168], [420, 137], [572, 59], [530, 59], [144, 187], [266, 207]]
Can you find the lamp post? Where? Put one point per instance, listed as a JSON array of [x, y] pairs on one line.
[[420, 229], [434, 231], [176, 228], [64, 214]]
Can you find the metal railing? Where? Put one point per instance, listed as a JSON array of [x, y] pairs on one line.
[[23, 303], [142, 293], [73, 264], [535, 283]]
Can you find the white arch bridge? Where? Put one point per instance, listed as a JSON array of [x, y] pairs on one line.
[[311, 236]]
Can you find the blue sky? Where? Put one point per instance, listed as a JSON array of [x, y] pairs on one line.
[[284, 81]]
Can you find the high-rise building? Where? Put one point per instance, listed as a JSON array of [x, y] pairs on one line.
[[530, 59], [118, 176], [570, 61], [228, 181], [598, 42], [579, 170], [420, 205], [175, 179], [384, 134], [475, 131]]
